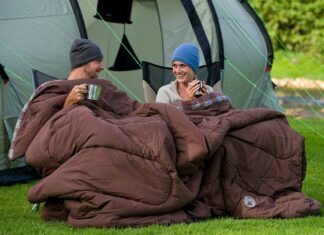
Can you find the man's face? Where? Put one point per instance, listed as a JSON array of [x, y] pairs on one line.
[[93, 68]]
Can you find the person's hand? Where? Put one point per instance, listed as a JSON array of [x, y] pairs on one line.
[[77, 94], [193, 87], [204, 89]]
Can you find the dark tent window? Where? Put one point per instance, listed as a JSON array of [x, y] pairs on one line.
[[114, 11]]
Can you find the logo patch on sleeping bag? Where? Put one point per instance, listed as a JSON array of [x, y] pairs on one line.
[[249, 201]]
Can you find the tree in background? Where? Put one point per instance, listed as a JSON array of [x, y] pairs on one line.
[[296, 24]]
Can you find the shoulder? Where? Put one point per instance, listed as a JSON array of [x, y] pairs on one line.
[[164, 93], [165, 87], [209, 89]]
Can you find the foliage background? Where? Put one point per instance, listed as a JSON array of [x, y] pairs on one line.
[[296, 24]]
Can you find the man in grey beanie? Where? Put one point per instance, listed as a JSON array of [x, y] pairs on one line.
[[86, 62], [82, 52]]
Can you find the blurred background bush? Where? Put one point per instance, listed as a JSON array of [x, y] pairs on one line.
[[296, 28], [298, 24]]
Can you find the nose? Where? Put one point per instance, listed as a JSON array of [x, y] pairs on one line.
[[102, 65], [178, 69]]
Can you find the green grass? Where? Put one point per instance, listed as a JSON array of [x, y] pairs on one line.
[[296, 65], [16, 216], [314, 182]]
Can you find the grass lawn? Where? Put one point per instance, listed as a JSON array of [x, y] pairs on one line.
[[16, 216], [297, 65]]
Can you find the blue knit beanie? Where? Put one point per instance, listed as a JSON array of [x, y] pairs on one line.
[[187, 53]]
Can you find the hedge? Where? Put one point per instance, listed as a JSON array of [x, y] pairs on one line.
[[296, 25]]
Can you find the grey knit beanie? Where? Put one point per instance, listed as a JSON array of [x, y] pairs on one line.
[[83, 51]]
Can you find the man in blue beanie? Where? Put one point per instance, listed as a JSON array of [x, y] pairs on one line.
[[185, 64]]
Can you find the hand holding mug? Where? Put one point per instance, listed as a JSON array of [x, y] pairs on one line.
[[197, 88], [77, 94]]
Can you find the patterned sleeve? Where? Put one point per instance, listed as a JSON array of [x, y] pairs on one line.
[[202, 102]]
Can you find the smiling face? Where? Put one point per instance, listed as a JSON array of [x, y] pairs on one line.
[[183, 73], [93, 68]]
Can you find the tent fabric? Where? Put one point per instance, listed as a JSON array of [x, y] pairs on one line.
[[198, 29], [10, 107], [34, 34], [38, 33], [126, 58]]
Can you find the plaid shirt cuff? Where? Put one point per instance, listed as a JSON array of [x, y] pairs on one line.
[[202, 102]]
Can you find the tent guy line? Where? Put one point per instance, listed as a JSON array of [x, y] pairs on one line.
[[299, 69], [155, 28], [239, 72], [299, 120], [123, 85], [140, 100], [248, 37]]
